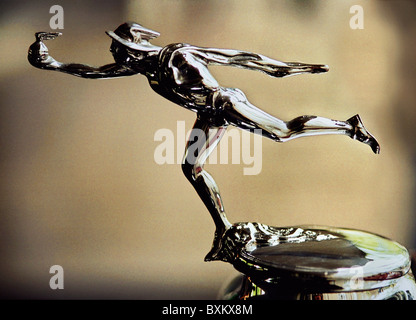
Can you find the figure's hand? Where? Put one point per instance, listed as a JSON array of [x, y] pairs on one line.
[[38, 54]]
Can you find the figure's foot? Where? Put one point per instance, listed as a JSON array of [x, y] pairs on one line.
[[360, 133], [215, 252]]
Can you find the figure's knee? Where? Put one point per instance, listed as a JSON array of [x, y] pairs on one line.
[[187, 170], [298, 124], [191, 171]]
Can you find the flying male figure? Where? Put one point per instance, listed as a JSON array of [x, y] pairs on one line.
[[179, 72]]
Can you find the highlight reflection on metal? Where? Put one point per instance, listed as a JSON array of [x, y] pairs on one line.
[[179, 72], [315, 263]]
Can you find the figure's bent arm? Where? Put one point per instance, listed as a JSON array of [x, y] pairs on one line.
[[254, 61], [39, 57]]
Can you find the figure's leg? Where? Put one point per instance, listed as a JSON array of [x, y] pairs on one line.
[[202, 141], [239, 112]]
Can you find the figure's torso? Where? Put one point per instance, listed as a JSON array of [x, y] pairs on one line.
[[182, 77]]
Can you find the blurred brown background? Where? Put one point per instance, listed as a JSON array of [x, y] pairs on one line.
[[79, 184]]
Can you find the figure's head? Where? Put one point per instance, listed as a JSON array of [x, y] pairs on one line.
[[131, 43]]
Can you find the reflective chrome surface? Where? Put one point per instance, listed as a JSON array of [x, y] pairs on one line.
[[243, 287], [315, 263], [335, 259], [334, 253]]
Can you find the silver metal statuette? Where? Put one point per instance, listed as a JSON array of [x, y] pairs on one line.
[[299, 262]]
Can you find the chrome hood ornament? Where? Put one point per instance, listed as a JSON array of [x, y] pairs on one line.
[[300, 262]]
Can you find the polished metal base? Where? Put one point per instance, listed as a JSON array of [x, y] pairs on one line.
[[315, 263], [243, 287]]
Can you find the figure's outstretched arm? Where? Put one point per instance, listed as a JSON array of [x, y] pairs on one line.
[[254, 61], [39, 57]]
